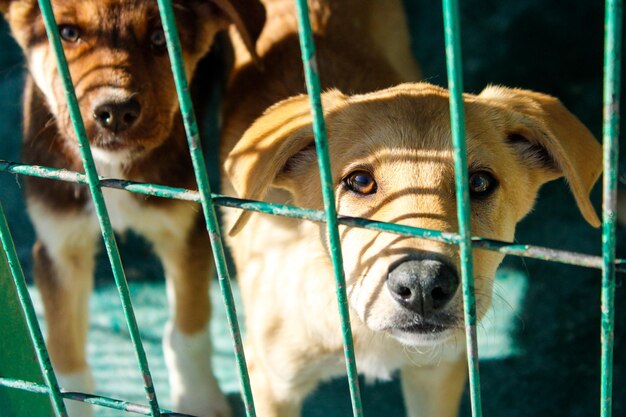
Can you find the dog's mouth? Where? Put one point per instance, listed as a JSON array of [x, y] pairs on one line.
[[424, 328], [420, 331], [121, 143], [113, 144], [137, 138]]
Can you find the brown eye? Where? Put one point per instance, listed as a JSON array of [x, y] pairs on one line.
[[157, 39], [481, 184], [69, 33], [361, 182]]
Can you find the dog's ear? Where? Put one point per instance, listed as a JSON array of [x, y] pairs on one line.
[[273, 147], [550, 140], [248, 16], [4, 6]]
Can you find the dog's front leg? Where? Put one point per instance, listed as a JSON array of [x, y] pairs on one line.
[[63, 270], [187, 347], [434, 391], [273, 395]]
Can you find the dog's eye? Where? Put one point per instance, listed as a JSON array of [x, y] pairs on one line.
[[361, 182], [481, 184], [69, 33], [157, 39]]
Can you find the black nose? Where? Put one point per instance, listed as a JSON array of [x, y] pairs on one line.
[[424, 286], [117, 116]]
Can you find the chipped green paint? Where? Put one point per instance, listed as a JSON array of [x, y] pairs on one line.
[[307, 46], [191, 127], [98, 200], [87, 398], [455, 85], [612, 67], [156, 190]]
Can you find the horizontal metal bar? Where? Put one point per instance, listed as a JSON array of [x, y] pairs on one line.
[[156, 190], [86, 398]]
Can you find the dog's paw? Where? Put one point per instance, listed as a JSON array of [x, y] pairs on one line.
[[78, 382], [193, 387], [202, 400]]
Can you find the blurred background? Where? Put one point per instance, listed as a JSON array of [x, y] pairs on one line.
[[539, 347]]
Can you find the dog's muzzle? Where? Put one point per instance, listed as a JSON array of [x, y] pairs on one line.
[[116, 116], [423, 287]]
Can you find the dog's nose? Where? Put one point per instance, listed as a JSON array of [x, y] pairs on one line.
[[117, 116], [424, 286]]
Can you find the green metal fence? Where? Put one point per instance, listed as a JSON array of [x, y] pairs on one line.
[[608, 262]]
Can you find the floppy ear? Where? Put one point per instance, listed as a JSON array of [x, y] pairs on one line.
[[551, 140], [4, 6], [248, 16], [269, 147]]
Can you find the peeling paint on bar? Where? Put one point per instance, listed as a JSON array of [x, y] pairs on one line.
[[98, 199], [307, 48], [206, 199], [610, 133], [87, 398], [457, 121], [515, 249]]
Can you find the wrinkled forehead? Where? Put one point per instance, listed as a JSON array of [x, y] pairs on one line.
[[407, 125], [119, 15], [110, 14], [401, 130], [126, 23]]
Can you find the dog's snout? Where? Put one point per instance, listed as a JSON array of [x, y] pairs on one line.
[[423, 286], [117, 116]]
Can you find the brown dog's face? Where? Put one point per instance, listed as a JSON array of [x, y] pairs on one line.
[[392, 161], [119, 64]]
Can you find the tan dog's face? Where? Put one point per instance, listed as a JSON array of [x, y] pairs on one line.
[[118, 61], [392, 162]]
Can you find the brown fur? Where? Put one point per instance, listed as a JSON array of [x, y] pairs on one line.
[[115, 58], [341, 41], [401, 135]]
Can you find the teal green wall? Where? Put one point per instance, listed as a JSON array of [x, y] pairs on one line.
[[17, 355]]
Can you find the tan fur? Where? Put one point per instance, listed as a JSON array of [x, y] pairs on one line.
[[401, 135], [115, 59], [284, 267]]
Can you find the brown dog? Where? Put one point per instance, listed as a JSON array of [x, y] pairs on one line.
[[391, 161], [119, 64]]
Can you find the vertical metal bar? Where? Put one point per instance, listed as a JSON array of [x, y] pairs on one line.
[[612, 67], [457, 120], [168, 20], [309, 61], [31, 318], [98, 200]]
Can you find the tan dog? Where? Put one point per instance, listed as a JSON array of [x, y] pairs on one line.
[[391, 161], [119, 64]]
